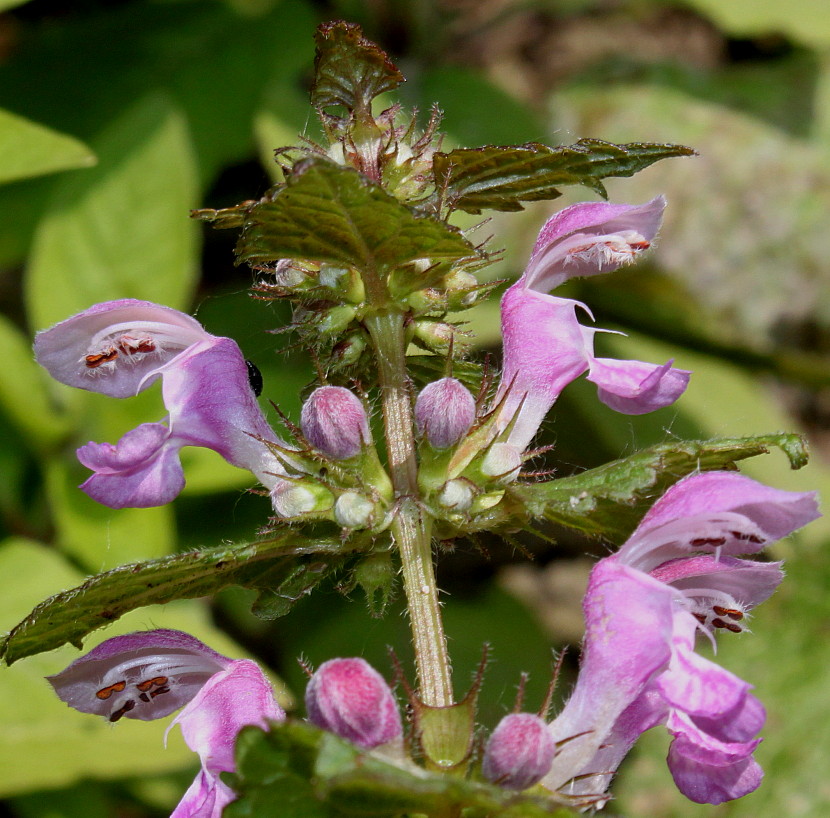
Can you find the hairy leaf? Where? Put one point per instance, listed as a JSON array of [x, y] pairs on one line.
[[610, 500], [298, 770], [328, 212], [501, 178], [71, 615], [350, 70]]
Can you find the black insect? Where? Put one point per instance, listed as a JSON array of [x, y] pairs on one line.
[[254, 377]]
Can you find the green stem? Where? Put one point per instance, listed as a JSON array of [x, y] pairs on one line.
[[411, 529]]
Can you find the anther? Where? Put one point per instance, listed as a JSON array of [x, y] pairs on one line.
[[156, 681], [93, 361], [701, 541], [753, 538], [105, 692], [127, 706], [732, 613]]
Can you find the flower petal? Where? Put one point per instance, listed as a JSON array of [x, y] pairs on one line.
[[777, 513], [634, 387], [628, 619], [238, 696], [113, 347], [206, 797], [706, 783], [564, 247], [107, 677], [544, 350]]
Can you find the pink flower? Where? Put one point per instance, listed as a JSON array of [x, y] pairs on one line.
[[545, 346], [150, 674], [120, 348], [676, 575]]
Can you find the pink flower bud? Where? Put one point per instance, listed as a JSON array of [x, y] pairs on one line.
[[444, 412], [519, 753], [349, 698], [334, 421]]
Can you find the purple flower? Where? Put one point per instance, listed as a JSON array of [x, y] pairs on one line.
[[148, 675], [120, 348], [676, 575], [349, 698], [545, 346]]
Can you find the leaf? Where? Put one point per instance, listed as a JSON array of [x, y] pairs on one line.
[[120, 230], [95, 536], [328, 212], [297, 770], [71, 615], [23, 393], [610, 500], [28, 149], [500, 178], [349, 70]]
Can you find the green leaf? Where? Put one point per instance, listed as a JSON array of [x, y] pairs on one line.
[[297, 770], [28, 149], [610, 500], [328, 212], [120, 230], [70, 615], [350, 70], [98, 537], [23, 394], [501, 178]]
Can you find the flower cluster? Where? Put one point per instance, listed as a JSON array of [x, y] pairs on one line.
[[150, 674], [681, 574]]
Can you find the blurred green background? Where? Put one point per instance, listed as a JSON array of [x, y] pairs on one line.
[[116, 118]]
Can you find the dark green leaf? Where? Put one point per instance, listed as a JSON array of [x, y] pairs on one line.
[[290, 585], [350, 70], [328, 212], [610, 500], [323, 775], [501, 178], [71, 615]]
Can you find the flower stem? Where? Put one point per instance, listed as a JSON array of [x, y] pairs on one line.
[[411, 529]]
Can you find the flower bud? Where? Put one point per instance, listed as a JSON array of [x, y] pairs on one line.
[[502, 462], [519, 752], [349, 698], [456, 495], [334, 421], [444, 412], [353, 510], [291, 499]]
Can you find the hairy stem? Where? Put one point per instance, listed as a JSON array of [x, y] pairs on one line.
[[411, 529]]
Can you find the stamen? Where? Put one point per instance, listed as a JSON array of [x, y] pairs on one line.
[[106, 692], [125, 708], [699, 542], [743, 537], [157, 681], [732, 613], [95, 360]]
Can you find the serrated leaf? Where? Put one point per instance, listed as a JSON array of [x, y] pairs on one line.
[[327, 212], [350, 70], [610, 500], [327, 776], [28, 149], [70, 615], [501, 178]]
